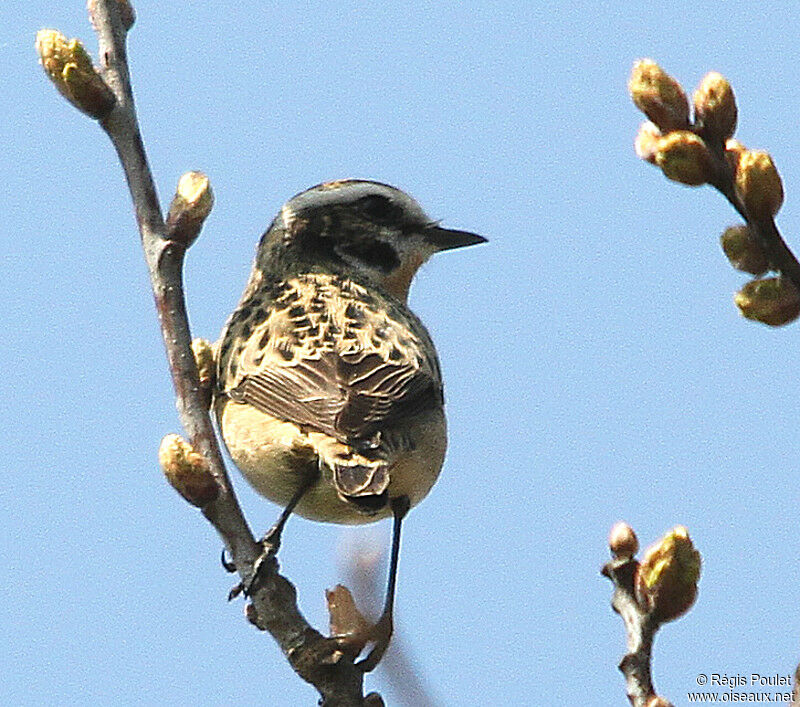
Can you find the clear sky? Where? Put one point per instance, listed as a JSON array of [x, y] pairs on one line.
[[596, 368]]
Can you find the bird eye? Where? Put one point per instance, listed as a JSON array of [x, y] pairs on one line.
[[376, 206], [373, 254]]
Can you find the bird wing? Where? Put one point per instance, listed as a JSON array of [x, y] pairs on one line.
[[348, 396], [351, 368]]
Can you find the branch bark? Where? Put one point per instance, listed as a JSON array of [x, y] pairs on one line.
[[274, 605], [640, 631]]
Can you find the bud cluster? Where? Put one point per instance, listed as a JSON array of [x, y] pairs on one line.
[[665, 581], [679, 145], [670, 139], [700, 149]]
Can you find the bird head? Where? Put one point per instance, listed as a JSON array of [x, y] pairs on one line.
[[371, 229]]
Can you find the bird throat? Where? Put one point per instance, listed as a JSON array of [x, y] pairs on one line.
[[398, 282]]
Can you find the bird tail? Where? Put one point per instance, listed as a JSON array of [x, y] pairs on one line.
[[359, 479]]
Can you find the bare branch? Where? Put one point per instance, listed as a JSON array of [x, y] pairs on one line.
[[165, 263], [195, 468], [639, 630]]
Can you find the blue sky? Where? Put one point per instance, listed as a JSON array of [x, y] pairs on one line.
[[595, 366]]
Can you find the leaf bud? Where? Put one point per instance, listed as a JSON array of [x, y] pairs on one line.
[[758, 184], [622, 541], [773, 301], [187, 471], [715, 109], [190, 207], [666, 580], [684, 158], [743, 250], [70, 68], [659, 96]]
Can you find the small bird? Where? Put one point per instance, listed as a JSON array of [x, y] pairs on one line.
[[329, 394]]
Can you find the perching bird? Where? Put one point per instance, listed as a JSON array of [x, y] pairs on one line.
[[329, 394]]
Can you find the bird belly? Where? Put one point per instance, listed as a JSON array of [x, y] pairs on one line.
[[276, 456], [415, 470]]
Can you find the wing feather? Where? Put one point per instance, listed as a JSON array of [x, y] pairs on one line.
[[329, 355], [349, 401]]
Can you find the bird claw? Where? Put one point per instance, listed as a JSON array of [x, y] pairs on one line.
[[351, 644], [227, 566], [381, 634], [235, 591], [265, 564], [271, 542]]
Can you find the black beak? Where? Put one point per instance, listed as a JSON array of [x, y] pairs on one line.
[[445, 238]]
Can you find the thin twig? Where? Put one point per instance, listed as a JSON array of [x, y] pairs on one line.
[[766, 232], [165, 264], [640, 631], [648, 594]]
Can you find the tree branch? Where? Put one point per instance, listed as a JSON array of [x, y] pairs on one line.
[[647, 594], [763, 227], [697, 147], [639, 630], [274, 604], [165, 264]]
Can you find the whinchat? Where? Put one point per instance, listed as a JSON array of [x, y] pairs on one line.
[[329, 393]]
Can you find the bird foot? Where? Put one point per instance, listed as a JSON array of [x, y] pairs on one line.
[[352, 644], [266, 563], [381, 634]]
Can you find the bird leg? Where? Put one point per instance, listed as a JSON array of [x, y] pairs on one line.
[[272, 539], [270, 543], [382, 631]]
